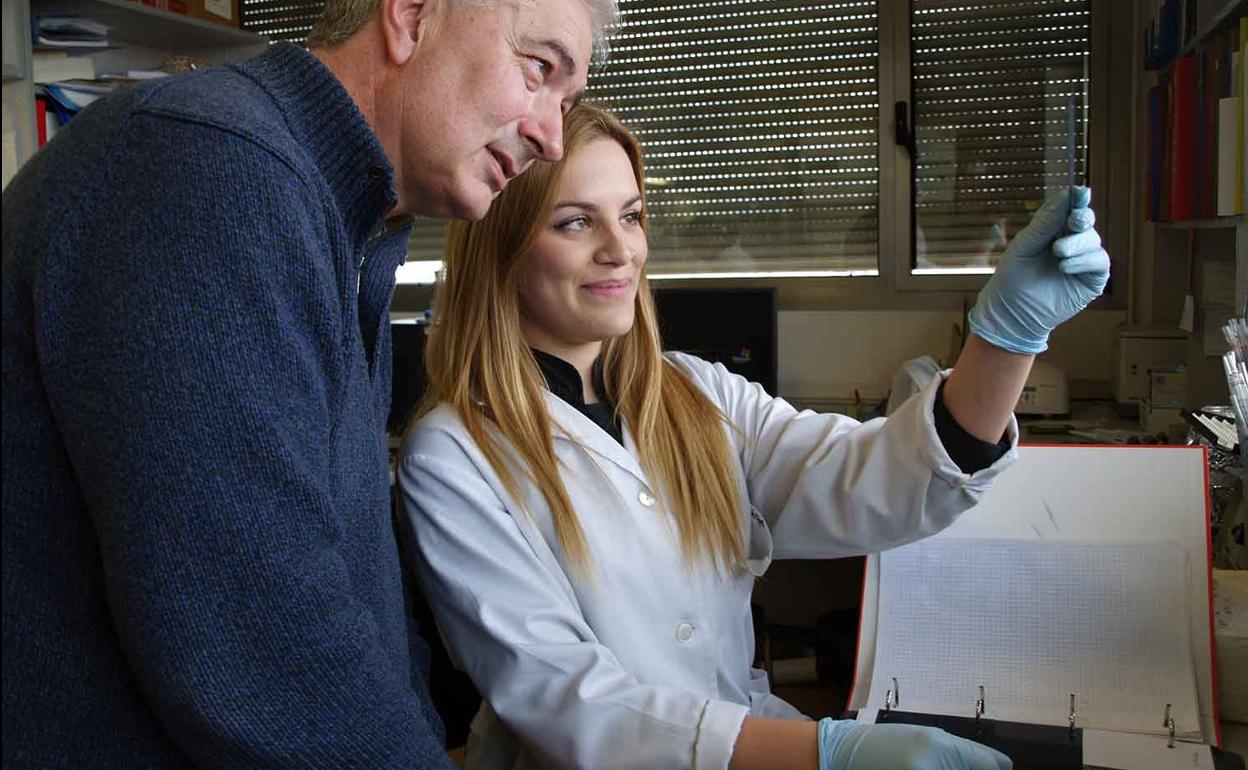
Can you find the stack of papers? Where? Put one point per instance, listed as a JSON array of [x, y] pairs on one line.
[[57, 66], [70, 32], [73, 95]]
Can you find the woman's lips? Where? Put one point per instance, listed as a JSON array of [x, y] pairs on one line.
[[611, 289]]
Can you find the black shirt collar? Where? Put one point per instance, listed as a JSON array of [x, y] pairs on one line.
[[564, 381]]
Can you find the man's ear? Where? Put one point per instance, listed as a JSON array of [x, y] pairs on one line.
[[403, 22]]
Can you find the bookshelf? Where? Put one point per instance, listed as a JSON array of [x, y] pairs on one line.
[[1221, 20], [18, 93], [149, 27], [144, 38], [1218, 223], [1172, 259], [15, 64], [1184, 95]]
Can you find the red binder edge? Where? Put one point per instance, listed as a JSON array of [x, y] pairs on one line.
[[41, 121]]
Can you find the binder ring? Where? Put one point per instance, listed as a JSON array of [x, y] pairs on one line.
[[892, 697], [1168, 723]]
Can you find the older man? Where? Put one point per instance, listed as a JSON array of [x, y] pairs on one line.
[[199, 569]]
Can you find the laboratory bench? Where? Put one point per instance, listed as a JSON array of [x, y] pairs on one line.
[[1091, 422]]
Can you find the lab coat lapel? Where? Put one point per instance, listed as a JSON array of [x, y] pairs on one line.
[[574, 426]]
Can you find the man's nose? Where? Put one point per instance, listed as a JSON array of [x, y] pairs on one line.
[[542, 129]]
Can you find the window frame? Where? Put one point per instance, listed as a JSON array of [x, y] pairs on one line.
[[895, 287], [1110, 168]]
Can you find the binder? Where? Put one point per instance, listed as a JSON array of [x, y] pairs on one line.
[[1228, 123], [1183, 124], [1207, 148], [1242, 135], [1121, 537], [41, 121], [1156, 150]]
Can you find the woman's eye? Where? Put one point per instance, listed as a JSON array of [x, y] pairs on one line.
[[573, 224], [632, 217]]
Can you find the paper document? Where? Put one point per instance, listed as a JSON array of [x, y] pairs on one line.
[[1122, 751], [1033, 621]]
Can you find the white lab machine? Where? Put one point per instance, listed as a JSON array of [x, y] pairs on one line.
[[1046, 391], [1138, 348]]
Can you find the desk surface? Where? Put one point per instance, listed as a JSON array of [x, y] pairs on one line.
[[1089, 422], [1235, 738]]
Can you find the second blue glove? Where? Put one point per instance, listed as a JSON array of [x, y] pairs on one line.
[[850, 745]]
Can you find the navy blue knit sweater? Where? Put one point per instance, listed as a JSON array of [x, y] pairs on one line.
[[199, 564]]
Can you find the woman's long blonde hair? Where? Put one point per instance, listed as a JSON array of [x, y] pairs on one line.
[[479, 363]]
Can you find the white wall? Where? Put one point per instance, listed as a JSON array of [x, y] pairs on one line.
[[829, 354]]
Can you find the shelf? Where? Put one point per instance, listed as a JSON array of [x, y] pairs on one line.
[[1231, 9], [1205, 224], [1214, 25], [137, 24]]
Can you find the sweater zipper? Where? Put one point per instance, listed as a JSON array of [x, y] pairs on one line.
[[377, 234]]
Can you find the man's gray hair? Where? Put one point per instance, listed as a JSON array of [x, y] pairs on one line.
[[343, 18]]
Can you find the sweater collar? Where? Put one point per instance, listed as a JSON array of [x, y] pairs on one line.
[[328, 124]]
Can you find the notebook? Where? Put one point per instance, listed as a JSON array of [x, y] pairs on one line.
[[1084, 571]]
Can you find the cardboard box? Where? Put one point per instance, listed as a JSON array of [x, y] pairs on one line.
[[219, 11]]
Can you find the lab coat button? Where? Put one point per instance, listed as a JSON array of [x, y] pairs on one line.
[[645, 498], [684, 632]]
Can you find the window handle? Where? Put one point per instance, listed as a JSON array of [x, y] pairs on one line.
[[902, 130]]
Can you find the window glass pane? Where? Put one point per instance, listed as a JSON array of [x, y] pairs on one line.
[[759, 125], [993, 81]]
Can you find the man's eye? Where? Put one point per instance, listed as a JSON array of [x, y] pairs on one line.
[[542, 65]]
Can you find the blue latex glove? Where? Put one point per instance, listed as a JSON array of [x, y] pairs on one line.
[[1042, 282], [850, 745]]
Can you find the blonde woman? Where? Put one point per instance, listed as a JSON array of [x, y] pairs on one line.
[[590, 515]]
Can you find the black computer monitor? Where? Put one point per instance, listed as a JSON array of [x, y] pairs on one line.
[[407, 375], [734, 327]]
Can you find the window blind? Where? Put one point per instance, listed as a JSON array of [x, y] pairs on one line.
[[289, 20], [992, 81], [758, 120]]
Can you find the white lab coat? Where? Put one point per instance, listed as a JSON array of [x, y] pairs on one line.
[[646, 663]]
